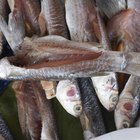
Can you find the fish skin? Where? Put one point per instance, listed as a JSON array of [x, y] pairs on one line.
[[54, 17], [14, 32], [4, 11], [111, 7], [31, 10], [49, 130], [80, 13], [4, 130], [29, 117], [91, 106], [68, 95], [127, 106]]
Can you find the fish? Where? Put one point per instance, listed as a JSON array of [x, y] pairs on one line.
[[14, 32], [52, 18], [5, 133], [49, 129], [91, 106], [4, 11], [28, 112], [30, 11], [111, 7], [127, 107], [106, 87], [82, 24], [68, 95]]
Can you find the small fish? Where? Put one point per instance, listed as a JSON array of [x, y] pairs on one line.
[[68, 95], [107, 90], [111, 7], [28, 112], [127, 107], [91, 106]]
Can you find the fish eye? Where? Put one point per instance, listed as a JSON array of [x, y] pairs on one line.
[[78, 108], [114, 99], [126, 124]]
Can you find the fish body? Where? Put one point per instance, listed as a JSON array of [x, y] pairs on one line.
[[29, 117], [91, 106], [53, 15], [127, 107], [68, 95], [111, 7], [82, 12]]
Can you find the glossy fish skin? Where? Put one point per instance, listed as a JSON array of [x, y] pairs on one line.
[[111, 7], [49, 130], [53, 14], [29, 117], [126, 107], [81, 11], [4, 130], [91, 106], [68, 95]]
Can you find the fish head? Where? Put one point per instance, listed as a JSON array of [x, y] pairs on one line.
[[107, 90], [68, 95], [123, 113]]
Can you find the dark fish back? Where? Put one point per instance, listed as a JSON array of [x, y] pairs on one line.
[[91, 105]]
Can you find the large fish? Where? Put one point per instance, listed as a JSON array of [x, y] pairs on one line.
[[111, 7], [28, 112], [126, 108], [68, 95]]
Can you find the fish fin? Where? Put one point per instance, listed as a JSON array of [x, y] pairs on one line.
[[42, 24]]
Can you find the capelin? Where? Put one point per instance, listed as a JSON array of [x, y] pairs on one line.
[[67, 93]]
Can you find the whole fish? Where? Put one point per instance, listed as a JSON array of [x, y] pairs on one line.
[[106, 87], [28, 112], [82, 24], [126, 108], [5, 133], [111, 7], [49, 130], [68, 95]]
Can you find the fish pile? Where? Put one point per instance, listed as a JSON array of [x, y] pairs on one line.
[[78, 51]]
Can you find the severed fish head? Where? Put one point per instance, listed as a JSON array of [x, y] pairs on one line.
[[107, 90], [123, 113], [67, 93]]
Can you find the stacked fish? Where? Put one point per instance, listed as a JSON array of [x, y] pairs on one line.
[[68, 50]]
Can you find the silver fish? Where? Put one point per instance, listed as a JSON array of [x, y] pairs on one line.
[[124, 112], [111, 7], [68, 95]]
